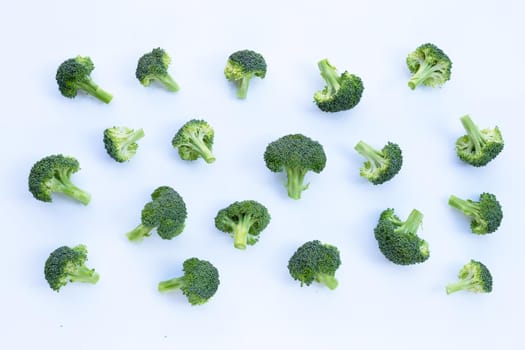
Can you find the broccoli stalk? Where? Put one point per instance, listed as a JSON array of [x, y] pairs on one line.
[[411, 225], [91, 88], [486, 214], [139, 232], [62, 183], [330, 75], [295, 182]]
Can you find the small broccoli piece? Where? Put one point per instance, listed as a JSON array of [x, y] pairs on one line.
[[121, 142], [75, 74], [199, 282], [296, 154], [398, 240], [52, 174], [315, 261], [342, 92], [154, 66], [485, 215], [195, 139], [380, 166], [473, 277], [478, 147], [244, 221], [166, 212], [67, 264], [429, 66], [241, 67]]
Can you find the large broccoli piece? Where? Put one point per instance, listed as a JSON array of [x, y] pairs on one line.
[[342, 91], [478, 147], [380, 166], [244, 221], [121, 142], [315, 261], [52, 174], [199, 282], [473, 277], [67, 264], [241, 67], [166, 212], [485, 214], [296, 154], [398, 240], [429, 66], [195, 139], [75, 74], [154, 66]]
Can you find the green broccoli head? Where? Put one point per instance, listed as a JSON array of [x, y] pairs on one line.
[[241, 67], [121, 142], [53, 174], [473, 277], [296, 154], [166, 212], [429, 66], [380, 166], [485, 214], [67, 264], [342, 92], [75, 74], [315, 261], [199, 282], [195, 139], [478, 147], [398, 240], [154, 66], [244, 221]]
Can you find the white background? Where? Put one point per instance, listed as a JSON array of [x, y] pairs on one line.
[[258, 306]]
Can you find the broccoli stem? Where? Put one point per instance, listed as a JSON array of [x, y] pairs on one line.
[[171, 284], [424, 71], [473, 132], [242, 86], [138, 233], [330, 75], [467, 207], [134, 137], [63, 184], [374, 157], [198, 145], [327, 280], [168, 82], [93, 89], [411, 225], [241, 230], [294, 183], [455, 287], [83, 274]]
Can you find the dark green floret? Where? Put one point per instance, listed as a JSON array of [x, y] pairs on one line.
[[67, 264], [199, 282], [485, 214], [195, 139], [75, 74], [53, 174], [380, 166], [473, 277], [296, 154], [241, 67], [153, 66], [342, 91], [429, 66], [244, 221], [121, 142]]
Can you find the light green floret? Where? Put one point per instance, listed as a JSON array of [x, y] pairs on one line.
[[382, 165], [121, 142], [195, 139], [473, 277], [478, 147], [429, 66]]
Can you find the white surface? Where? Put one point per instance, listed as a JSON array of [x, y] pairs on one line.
[[258, 306]]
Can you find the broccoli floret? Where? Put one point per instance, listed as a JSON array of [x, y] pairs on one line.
[[473, 277], [199, 282], [241, 67], [315, 261], [67, 264], [429, 66], [195, 139], [478, 147], [52, 174], [166, 212], [121, 142], [154, 66], [244, 221], [74, 74], [485, 215], [380, 166], [296, 154], [342, 92], [398, 240]]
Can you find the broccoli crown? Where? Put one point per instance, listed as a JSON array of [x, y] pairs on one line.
[[485, 214], [195, 139], [242, 66], [154, 66], [315, 261], [121, 142], [342, 92], [473, 277], [67, 264], [380, 166], [244, 221], [478, 147], [52, 174], [75, 74], [296, 154], [199, 282], [429, 66], [398, 240]]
